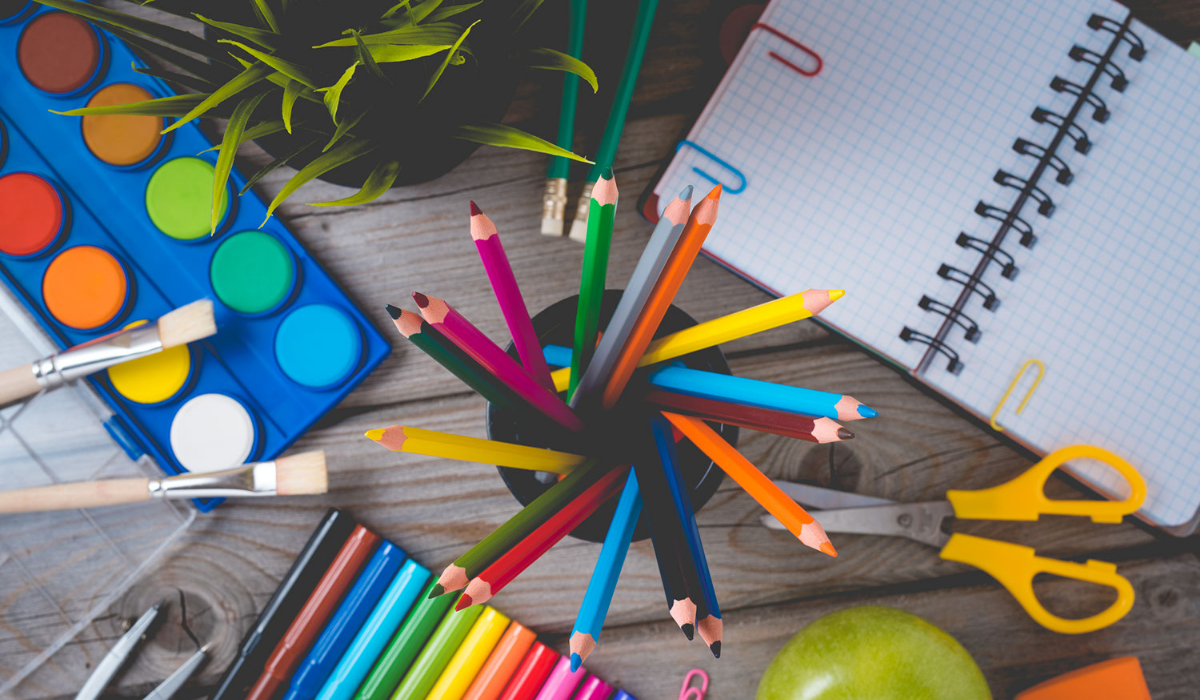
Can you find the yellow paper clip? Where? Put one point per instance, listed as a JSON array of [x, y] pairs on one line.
[[1021, 406]]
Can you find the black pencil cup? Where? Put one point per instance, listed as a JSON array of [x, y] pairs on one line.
[[556, 326]]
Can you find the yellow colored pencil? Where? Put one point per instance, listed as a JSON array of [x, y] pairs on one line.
[[470, 657], [400, 438]]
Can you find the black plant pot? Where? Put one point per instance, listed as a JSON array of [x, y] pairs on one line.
[[555, 326]]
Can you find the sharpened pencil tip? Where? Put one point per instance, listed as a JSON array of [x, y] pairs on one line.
[[835, 294], [463, 603], [376, 434], [689, 631], [576, 662], [716, 649], [475, 210], [827, 548], [421, 299], [867, 412], [715, 192], [436, 591], [844, 434], [392, 311], [686, 193]]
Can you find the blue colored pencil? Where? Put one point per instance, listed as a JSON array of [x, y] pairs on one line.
[[622, 695], [596, 600], [306, 682], [385, 619], [709, 623], [751, 392], [557, 355]]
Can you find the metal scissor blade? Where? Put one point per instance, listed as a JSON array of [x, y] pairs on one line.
[[116, 657], [828, 499], [167, 689], [917, 521]]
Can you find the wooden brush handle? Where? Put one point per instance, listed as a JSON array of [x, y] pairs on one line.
[[17, 383], [83, 494]]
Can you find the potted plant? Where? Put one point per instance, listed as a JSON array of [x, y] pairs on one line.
[[367, 93]]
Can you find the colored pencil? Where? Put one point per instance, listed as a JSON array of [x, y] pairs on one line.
[[699, 223], [554, 202], [819, 430], [594, 608], [432, 661], [454, 326], [508, 295], [633, 299], [404, 647], [489, 683], [557, 355], [622, 695], [595, 272], [470, 657], [593, 688], [345, 623], [561, 682], [754, 482], [297, 585], [607, 150], [740, 324], [371, 639], [317, 609], [501, 572], [709, 625], [401, 438], [534, 669], [752, 392], [516, 528], [460, 364]]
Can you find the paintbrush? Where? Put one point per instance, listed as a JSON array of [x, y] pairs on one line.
[[181, 326], [297, 475]]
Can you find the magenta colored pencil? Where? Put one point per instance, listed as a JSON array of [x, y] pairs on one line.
[[561, 682], [594, 689], [508, 294], [462, 333]]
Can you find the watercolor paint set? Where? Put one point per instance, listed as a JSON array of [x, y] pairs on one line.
[[107, 223]]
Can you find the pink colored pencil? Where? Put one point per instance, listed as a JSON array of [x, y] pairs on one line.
[[561, 682], [508, 294], [462, 333], [594, 689]]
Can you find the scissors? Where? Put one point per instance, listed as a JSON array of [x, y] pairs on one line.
[[123, 649], [1013, 565]]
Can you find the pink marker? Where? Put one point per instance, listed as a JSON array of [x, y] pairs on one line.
[[561, 682], [594, 689]]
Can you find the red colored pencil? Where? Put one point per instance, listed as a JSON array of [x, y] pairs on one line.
[[819, 430], [462, 333], [508, 295], [312, 617], [510, 565], [528, 679]]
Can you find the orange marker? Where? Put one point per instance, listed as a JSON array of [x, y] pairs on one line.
[[491, 680]]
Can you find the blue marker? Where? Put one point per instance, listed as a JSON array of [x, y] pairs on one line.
[[751, 392], [345, 623], [375, 633]]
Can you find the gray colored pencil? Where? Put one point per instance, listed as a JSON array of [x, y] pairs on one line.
[[633, 300]]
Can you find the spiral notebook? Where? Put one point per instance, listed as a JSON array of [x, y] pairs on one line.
[[992, 182]]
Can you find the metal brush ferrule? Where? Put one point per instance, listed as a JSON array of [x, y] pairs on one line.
[[98, 354], [250, 480], [554, 202]]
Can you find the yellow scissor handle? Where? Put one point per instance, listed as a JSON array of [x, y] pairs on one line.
[[1014, 566], [1024, 498]]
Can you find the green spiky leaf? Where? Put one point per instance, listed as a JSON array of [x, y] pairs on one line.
[[381, 179], [281, 160], [255, 132], [347, 124], [549, 59], [242, 81], [291, 91], [418, 13], [263, 11], [437, 74], [523, 12], [396, 54], [174, 106], [439, 33], [364, 56], [510, 137], [229, 146], [333, 93], [395, 8], [344, 153], [443, 13], [291, 70], [265, 39]]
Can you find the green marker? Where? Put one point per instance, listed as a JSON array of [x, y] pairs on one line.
[[429, 665], [385, 675]]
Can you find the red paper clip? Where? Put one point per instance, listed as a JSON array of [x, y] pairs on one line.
[[692, 692], [793, 42]]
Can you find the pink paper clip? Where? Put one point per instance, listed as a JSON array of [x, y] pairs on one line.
[[793, 42], [691, 692]]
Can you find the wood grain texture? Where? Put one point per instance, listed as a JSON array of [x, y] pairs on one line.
[[414, 238]]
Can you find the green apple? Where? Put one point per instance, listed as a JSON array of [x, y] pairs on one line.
[[872, 653]]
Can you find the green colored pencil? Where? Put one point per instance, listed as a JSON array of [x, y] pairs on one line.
[[607, 151], [595, 271], [416, 629], [429, 665], [554, 203], [502, 539]]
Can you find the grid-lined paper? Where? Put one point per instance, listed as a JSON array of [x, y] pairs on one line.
[[863, 176]]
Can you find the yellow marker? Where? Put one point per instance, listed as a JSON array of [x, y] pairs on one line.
[[470, 657], [400, 438], [154, 378]]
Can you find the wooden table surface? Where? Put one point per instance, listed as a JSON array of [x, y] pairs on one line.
[[415, 238]]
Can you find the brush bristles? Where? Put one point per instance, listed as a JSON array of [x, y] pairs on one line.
[[301, 475], [552, 227], [186, 324]]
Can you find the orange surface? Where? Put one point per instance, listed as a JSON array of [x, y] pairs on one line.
[[491, 680], [84, 287], [121, 139], [1116, 679]]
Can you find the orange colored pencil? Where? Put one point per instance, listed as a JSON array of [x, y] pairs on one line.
[[489, 683], [700, 222], [510, 565], [795, 519]]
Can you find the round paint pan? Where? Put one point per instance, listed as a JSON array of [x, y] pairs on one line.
[[318, 346], [179, 199], [154, 379], [122, 140], [212, 432], [86, 288], [253, 273], [61, 54], [34, 215]]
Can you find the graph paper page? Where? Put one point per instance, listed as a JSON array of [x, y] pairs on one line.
[[1108, 297], [861, 177]]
